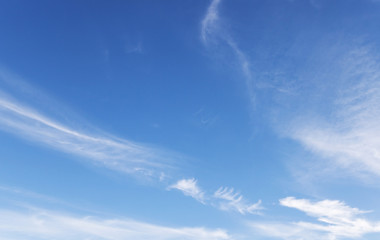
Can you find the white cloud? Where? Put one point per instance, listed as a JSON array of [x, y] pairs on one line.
[[224, 198], [210, 20], [349, 136], [231, 200], [212, 32], [114, 153], [189, 187], [329, 211], [22, 219], [43, 224], [336, 221]]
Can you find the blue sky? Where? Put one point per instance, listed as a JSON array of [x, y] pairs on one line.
[[189, 120]]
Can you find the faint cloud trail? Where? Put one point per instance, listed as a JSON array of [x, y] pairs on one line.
[[27, 122], [40, 223], [105, 150], [212, 33], [209, 22], [25, 219]]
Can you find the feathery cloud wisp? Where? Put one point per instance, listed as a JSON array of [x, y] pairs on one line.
[[114, 153], [189, 187], [231, 200], [224, 198], [336, 220]]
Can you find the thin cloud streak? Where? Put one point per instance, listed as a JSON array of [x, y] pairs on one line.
[[45, 224], [102, 149], [24, 219], [211, 32], [336, 220], [209, 22]]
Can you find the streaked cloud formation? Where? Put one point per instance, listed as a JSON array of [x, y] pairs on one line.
[[350, 135], [44, 224], [21, 119], [212, 33], [114, 153], [21, 218], [308, 71], [335, 219]]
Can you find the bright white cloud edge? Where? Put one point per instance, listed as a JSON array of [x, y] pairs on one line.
[[189, 187], [335, 220]]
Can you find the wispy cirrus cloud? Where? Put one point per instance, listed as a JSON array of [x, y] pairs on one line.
[[189, 187], [212, 33], [20, 118], [335, 220], [224, 198], [22, 217], [349, 135], [210, 21], [25, 121], [41, 224], [231, 200]]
